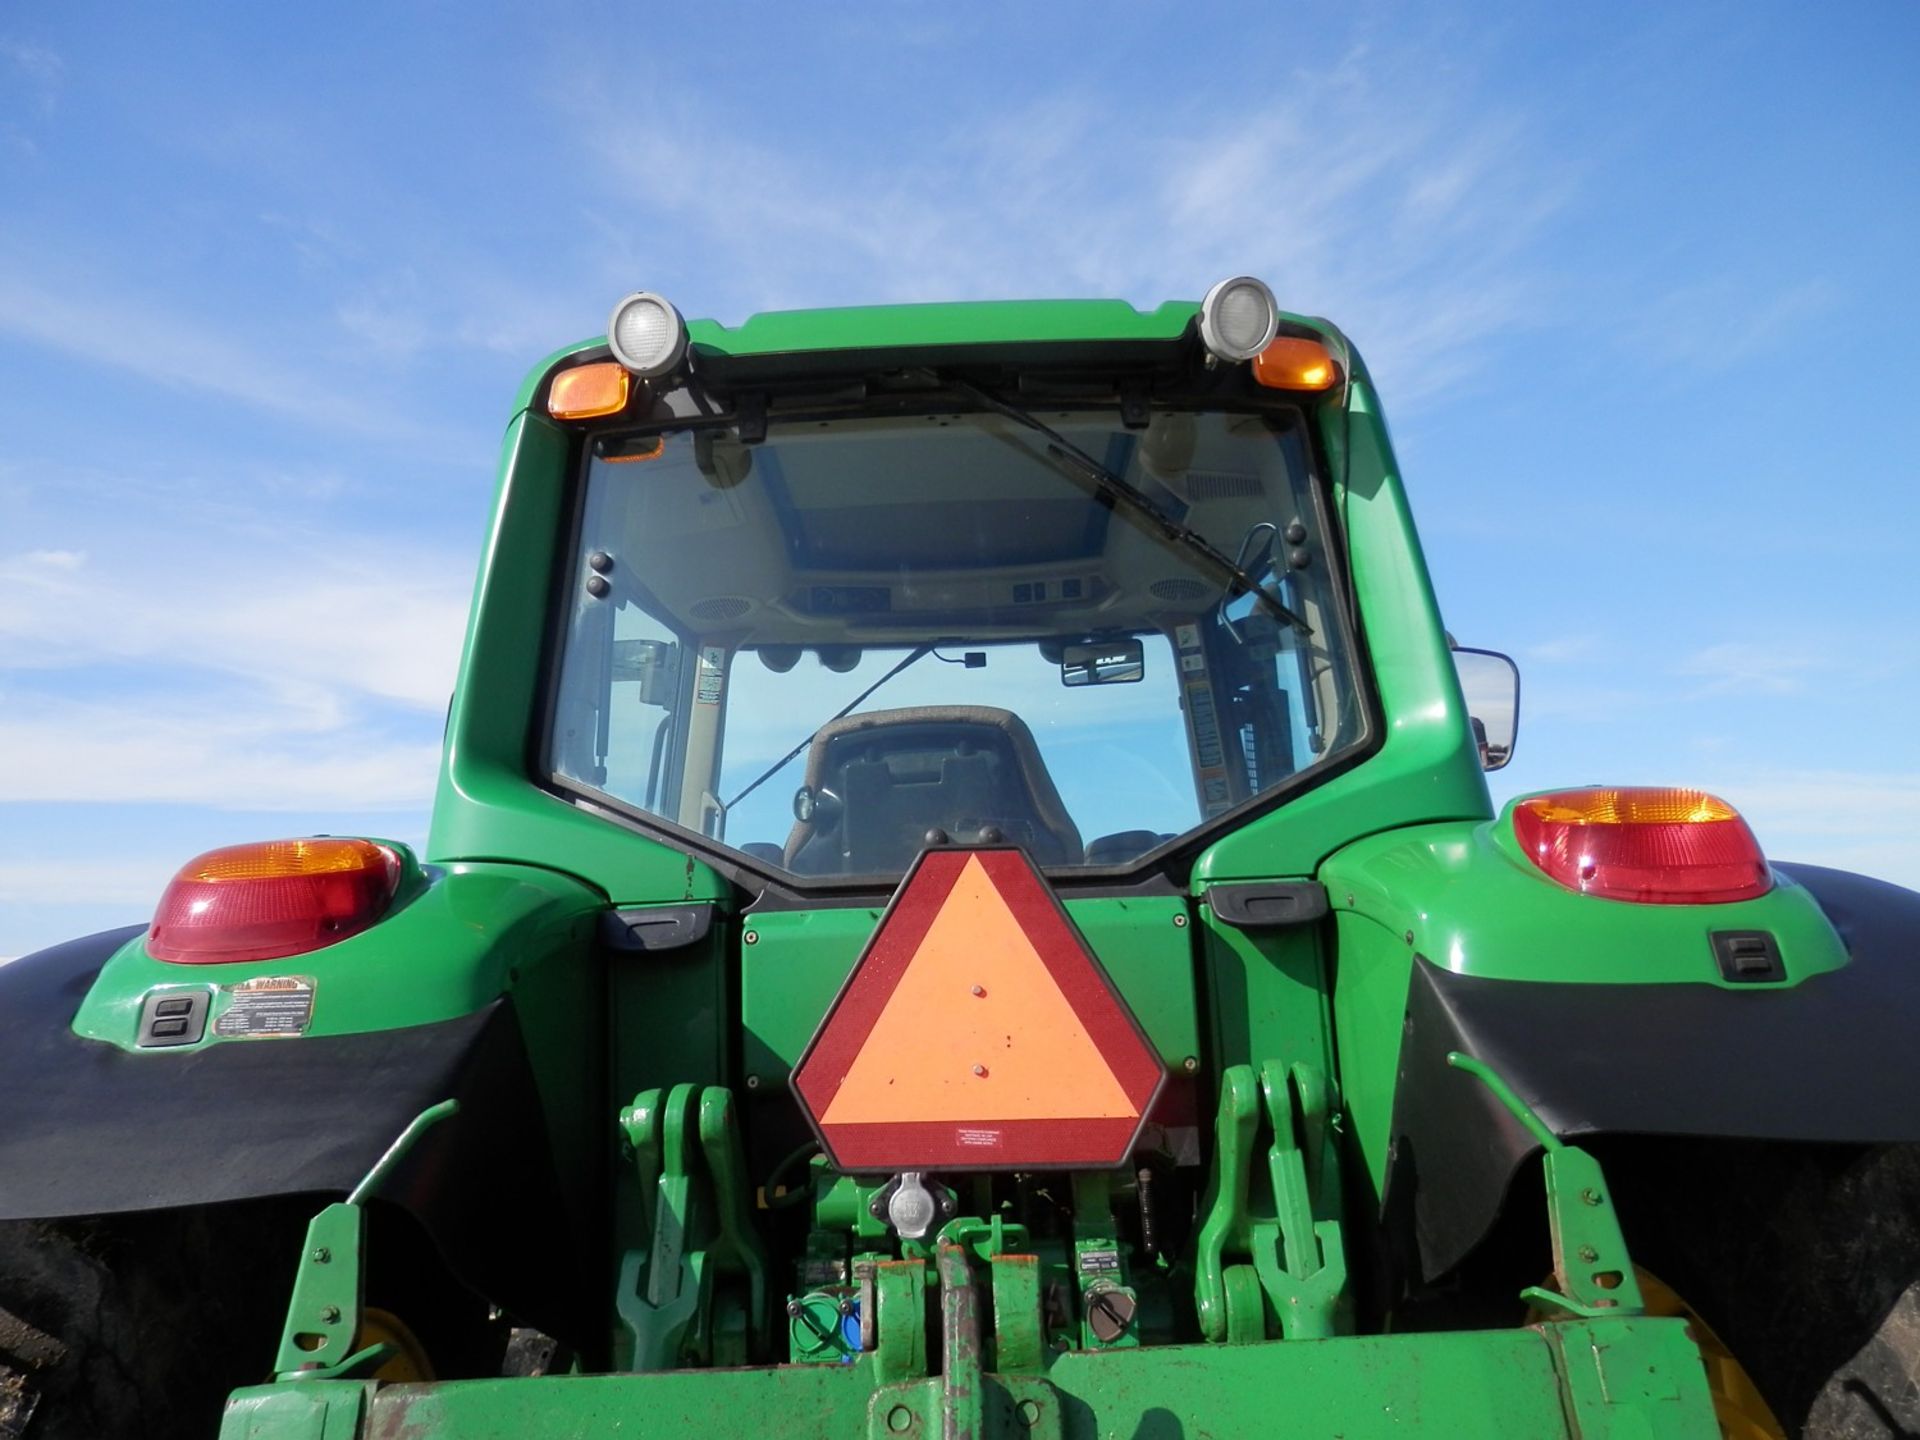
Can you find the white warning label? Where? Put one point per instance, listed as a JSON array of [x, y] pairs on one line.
[[267, 1005], [711, 676]]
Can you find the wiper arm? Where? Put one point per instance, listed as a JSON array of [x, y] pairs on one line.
[[1121, 493]]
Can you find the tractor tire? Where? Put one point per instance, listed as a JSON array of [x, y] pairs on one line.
[[138, 1327], [1806, 1260], [1868, 1273]]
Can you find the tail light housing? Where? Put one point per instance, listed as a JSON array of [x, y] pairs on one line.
[[1653, 846], [273, 899]]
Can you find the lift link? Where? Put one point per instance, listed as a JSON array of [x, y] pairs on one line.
[[696, 1291], [1266, 1257]]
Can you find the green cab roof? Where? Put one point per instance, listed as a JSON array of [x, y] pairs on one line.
[[975, 322], [969, 322]]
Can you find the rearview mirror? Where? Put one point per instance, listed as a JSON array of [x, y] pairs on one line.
[[1103, 662], [1490, 683]]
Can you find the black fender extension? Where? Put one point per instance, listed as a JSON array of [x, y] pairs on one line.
[[90, 1129], [1834, 1058]]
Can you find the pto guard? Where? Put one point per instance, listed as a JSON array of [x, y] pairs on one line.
[[1630, 1376]]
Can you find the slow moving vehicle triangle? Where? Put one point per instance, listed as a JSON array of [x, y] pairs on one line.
[[977, 1030]]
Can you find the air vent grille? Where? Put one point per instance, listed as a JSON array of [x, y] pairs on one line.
[[721, 607], [1178, 590], [1221, 485]]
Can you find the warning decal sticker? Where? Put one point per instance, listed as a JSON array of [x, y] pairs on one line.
[[710, 675], [266, 1006]]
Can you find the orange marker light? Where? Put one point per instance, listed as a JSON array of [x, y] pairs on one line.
[[588, 390], [1290, 363]]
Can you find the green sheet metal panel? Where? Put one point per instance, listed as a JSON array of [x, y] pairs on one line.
[[799, 959]]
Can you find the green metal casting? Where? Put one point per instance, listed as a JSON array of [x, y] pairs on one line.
[[697, 1292], [1269, 1260]]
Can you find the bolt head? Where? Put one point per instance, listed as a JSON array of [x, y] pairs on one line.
[[1589, 1254], [322, 1255], [752, 937], [330, 1314], [1191, 1063], [1179, 922]]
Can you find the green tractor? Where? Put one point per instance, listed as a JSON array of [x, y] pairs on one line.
[[963, 901]]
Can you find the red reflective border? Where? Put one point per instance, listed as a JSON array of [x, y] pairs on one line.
[[987, 1144]]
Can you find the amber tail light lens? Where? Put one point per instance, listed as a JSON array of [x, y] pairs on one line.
[[1654, 846], [274, 899]]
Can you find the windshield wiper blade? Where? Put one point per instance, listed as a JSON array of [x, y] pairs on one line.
[[1121, 493]]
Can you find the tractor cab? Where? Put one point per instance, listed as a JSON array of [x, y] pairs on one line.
[[1092, 634]]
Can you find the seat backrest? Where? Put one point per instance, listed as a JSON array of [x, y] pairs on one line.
[[971, 771]]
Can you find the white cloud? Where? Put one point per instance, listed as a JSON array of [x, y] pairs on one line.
[[311, 622], [36, 63], [1563, 649], [1746, 667], [76, 314], [1851, 819], [233, 753], [298, 673], [96, 880], [1725, 322], [1367, 193]]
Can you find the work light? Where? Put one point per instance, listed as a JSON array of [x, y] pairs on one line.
[[647, 334], [1238, 318]]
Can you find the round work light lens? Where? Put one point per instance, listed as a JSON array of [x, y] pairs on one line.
[[646, 334], [1243, 319]]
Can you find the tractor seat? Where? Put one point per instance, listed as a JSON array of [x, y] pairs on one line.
[[879, 782]]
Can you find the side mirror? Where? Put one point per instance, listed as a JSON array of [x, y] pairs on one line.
[[1490, 682], [1103, 662]]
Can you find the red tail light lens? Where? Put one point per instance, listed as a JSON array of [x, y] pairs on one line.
[[1659, 847], [266, 901]]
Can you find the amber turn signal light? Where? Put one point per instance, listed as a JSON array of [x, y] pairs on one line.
[[586, 391], [1291, 363]]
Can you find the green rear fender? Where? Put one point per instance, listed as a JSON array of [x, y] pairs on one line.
[[1462, 898]]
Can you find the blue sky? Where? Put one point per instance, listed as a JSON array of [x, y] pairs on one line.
[[1638, 284]]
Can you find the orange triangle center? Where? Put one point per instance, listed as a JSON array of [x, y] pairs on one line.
[[977, 1029]]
